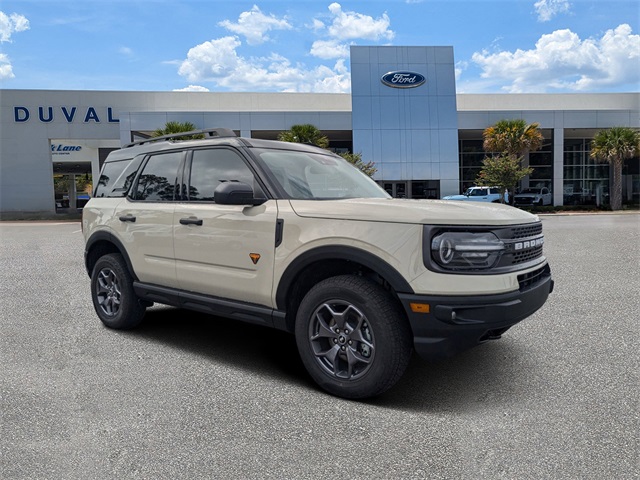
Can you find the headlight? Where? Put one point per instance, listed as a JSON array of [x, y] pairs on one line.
[[466, 250]]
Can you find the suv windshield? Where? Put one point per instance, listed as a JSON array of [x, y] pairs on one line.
[[313, 176]]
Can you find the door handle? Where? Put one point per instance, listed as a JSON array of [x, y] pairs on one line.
[[127, 218], [191, 221]]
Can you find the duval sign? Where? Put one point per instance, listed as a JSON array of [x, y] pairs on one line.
[[403, 79], [68, 114]]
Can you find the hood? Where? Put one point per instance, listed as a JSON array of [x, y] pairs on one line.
[[395, 210]]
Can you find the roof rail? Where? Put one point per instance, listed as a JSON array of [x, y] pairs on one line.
[[211, 132]]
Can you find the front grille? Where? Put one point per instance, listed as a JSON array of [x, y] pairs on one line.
[[522, 257], [527, 280], [523, 244], [525, 231]]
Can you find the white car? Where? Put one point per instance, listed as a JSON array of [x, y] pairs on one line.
[[533, 197], [294, 237], [480, 194]]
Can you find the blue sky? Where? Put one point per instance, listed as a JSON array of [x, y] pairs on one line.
[[504, 46]]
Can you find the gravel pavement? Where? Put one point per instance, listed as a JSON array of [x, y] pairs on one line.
[[189, 396]]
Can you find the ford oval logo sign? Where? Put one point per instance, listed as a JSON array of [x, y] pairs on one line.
[[403, 79]]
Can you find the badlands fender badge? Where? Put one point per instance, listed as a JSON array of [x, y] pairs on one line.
[[254, 257]]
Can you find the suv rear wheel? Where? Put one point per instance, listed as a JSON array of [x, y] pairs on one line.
[[112, 293], [352, 337]]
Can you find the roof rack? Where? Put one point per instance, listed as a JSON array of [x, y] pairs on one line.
[[210, 132]]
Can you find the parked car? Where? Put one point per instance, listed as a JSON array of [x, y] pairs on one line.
[[62, 200], [480, 194], [533, 197], [293, 237], [81, 199]]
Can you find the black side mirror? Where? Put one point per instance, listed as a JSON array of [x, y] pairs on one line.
[[236, 193]]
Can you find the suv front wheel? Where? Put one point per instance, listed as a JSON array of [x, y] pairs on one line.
[[352, 337], [112, 293]]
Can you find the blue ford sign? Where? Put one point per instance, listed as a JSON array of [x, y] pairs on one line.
[[403, 79]]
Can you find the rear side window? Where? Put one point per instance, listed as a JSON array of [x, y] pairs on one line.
[[116, 178], [158, 180]]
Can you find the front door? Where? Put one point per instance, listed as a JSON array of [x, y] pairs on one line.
[[223, 250]]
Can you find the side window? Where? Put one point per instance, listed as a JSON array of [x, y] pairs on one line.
[[158, 180], [211, 167], [116, 177]]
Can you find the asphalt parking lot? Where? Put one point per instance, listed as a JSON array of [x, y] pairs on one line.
[[191, 396]]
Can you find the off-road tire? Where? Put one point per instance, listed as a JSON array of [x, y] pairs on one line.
[[353, 337], [112, 293]]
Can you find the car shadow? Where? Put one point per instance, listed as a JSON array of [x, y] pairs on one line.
[[225, 341], [478, 375]]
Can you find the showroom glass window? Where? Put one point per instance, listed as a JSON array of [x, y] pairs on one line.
[[542, 162], [158, 180], [211, 167], [586, 182]]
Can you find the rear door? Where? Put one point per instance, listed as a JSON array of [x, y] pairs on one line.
[[223, 250], [144, 221]]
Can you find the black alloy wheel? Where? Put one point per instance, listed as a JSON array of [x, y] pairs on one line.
[[112, 293], [352, 337]]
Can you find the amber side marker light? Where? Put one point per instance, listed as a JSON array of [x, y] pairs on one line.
[[420, 307]]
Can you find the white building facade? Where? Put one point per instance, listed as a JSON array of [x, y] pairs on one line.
[[403, 114]]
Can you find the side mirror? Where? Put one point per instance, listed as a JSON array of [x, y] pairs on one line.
[[236, 193]]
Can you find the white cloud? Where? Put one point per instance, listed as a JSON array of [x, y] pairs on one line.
[[10, 24], [460, 67], [218, 61], [562, 61], [347, 25], [6, 70], [316, 25], [547, 9], [126, 51], [211, 60], [192, 88], [254, 25], [352, 25], [327, 49]]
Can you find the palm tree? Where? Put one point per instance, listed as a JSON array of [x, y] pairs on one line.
[[305, 133], [614, 146], [177, 127], [513, 139]]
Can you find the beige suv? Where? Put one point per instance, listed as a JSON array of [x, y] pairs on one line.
[[294, 237]]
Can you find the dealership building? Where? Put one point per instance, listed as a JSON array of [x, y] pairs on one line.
[[403, 113]]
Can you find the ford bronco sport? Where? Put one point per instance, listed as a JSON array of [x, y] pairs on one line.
[[293, 237]]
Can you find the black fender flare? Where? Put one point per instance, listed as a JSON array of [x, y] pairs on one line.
[[339, 252], [106, 236]]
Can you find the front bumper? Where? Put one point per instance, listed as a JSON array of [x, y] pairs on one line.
[[454, 324], [525, 201]]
